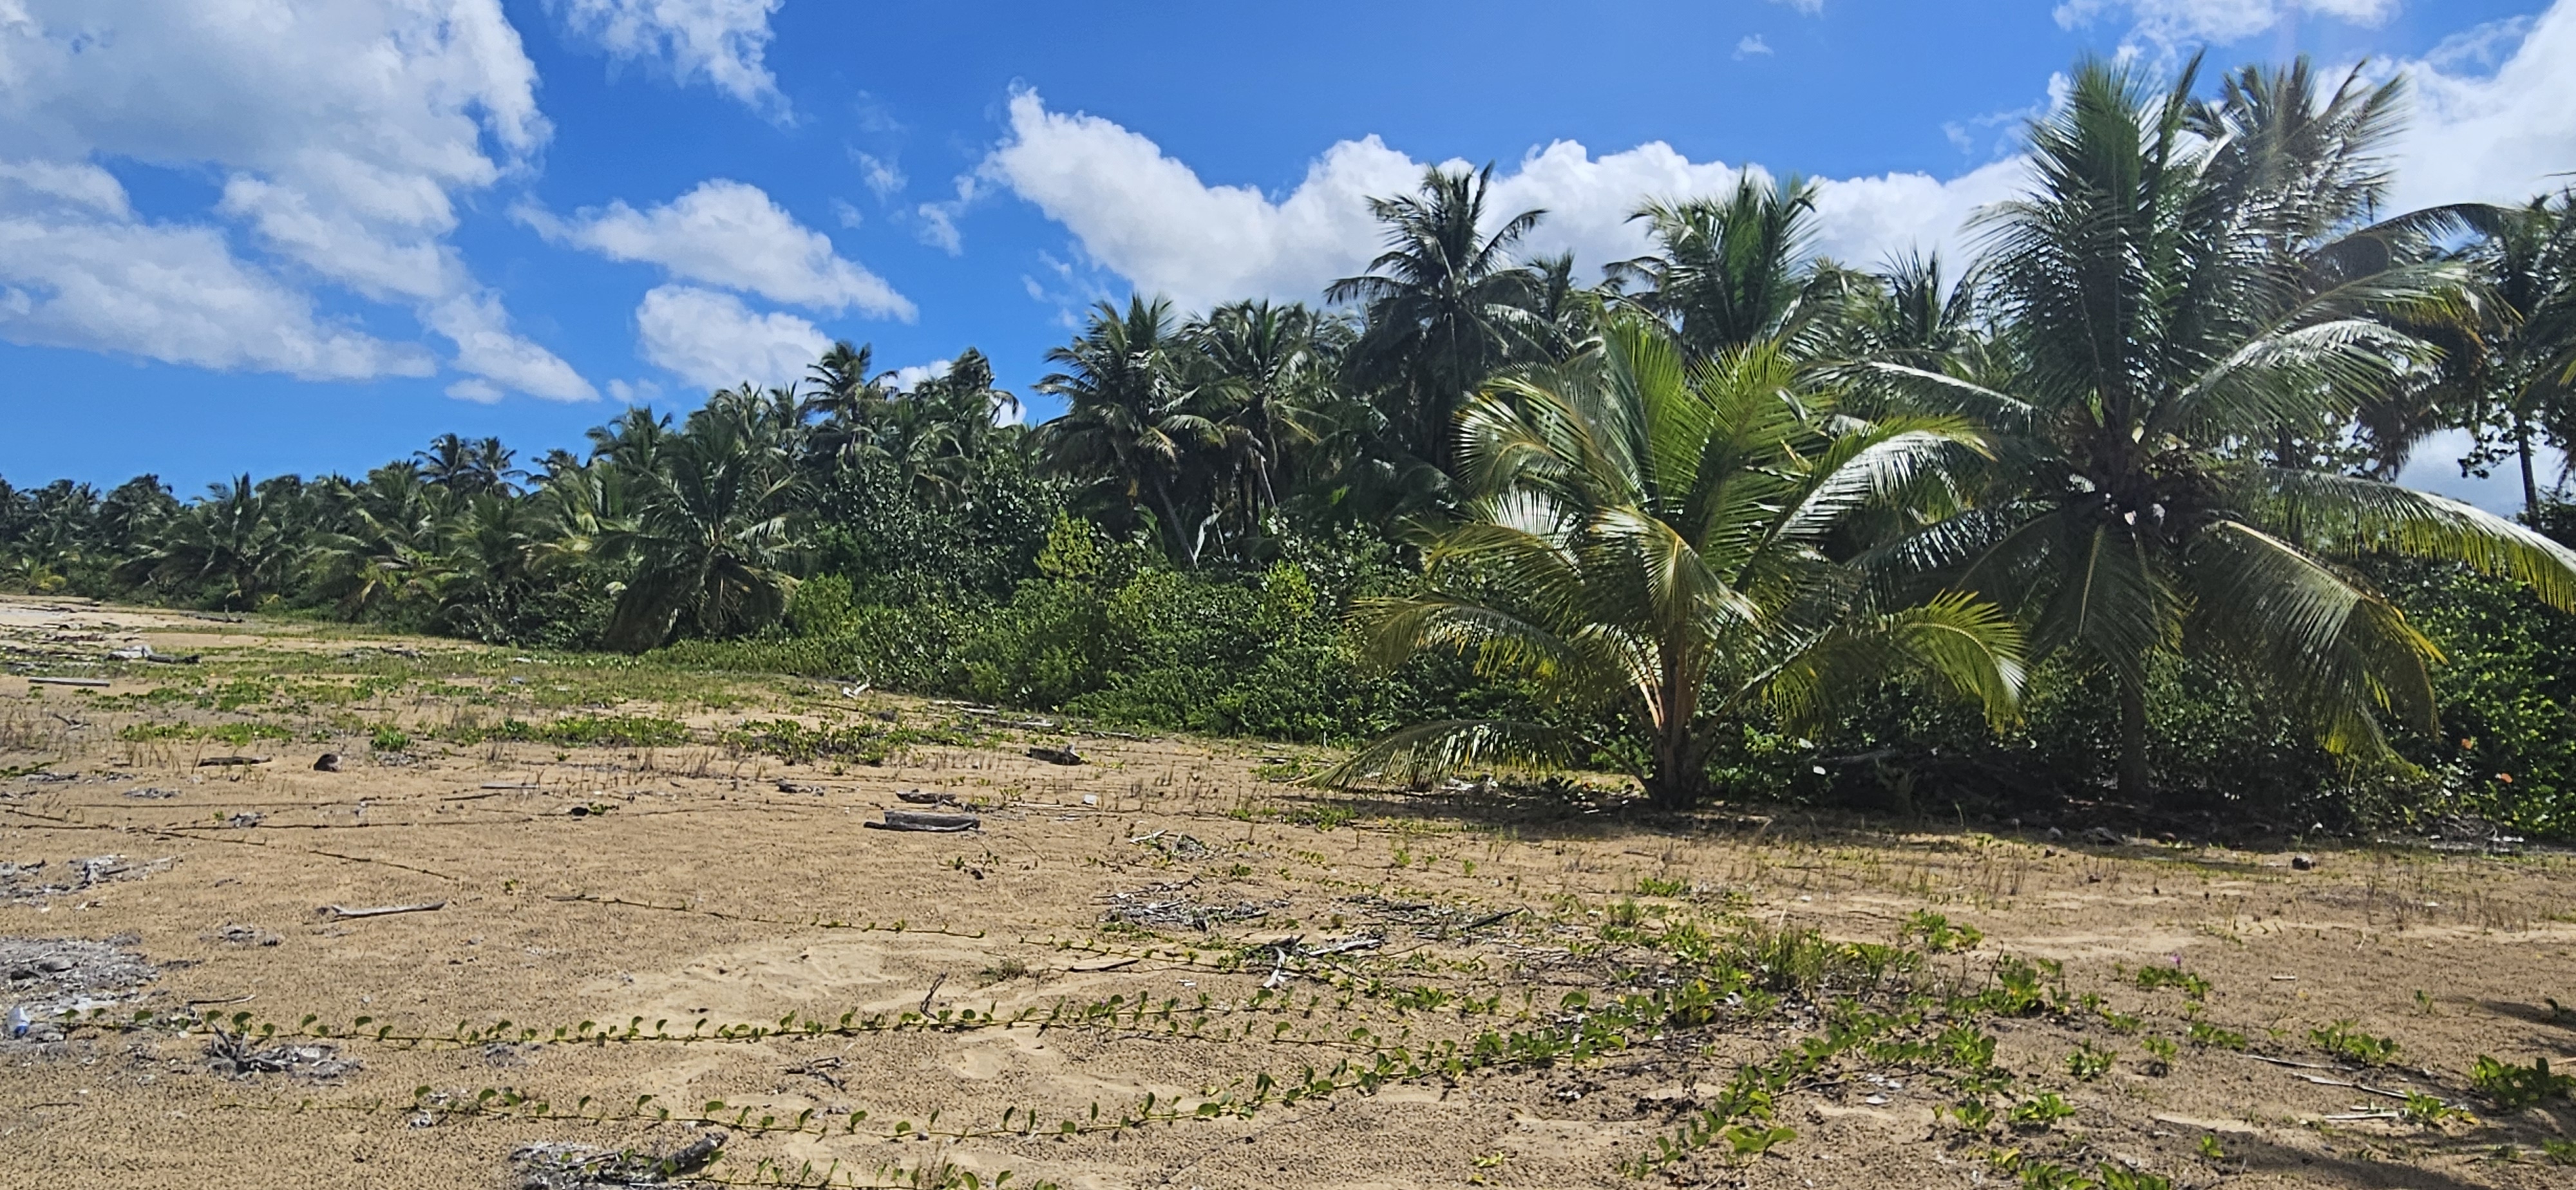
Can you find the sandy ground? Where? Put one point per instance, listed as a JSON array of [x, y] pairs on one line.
[[711, 883]]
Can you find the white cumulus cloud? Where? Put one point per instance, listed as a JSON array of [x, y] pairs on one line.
[[730, 234], [2494, 135], [914, 376], [1149, 218], [723, 42], [486, 348], [71, 276], [712, 340], [341, 133]]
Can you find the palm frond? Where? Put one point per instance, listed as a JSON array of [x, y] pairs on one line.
[[1428, 751], [2361, 514]]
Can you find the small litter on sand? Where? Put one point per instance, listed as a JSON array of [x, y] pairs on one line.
[[560, 1166], [233, 1055], [31, 882], [47, 977]]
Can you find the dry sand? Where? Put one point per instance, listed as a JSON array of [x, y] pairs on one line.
[[690, 887]]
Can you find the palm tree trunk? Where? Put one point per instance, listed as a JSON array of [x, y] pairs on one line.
[[1181, 543], [2133, 741], [2522, 447], [1674, 783], [1679, 774]]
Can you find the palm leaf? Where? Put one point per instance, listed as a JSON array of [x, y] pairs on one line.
[[1429, 751]]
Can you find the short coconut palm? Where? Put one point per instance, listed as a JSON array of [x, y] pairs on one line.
[[2169, 323], [1652, 539]]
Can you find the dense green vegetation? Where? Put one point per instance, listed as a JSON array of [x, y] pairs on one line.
[[2106, 510]]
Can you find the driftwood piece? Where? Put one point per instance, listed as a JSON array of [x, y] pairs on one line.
[[214, 762], [1055, 755], [338, 912], [923, 797], [918, 820], [92, 683]]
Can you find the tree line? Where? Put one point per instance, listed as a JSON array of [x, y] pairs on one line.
[[1714, 518]]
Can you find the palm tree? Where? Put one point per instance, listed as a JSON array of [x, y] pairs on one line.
[[1123, 428], [1654, 534], [240, 544], [468, 468], [849, 398], [133, 511], [1440, 303], [384, 544], [713, 525], [1563, 319], [1731, 271], [2166, 317], [634, 441], [1266, 373], [1911, 313], [2523, 368]]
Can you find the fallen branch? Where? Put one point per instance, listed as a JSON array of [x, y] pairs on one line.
[[2287, 1062], [1055, 755], [1344, 947], [230, 761], [95, 683], [2361, 1087], [1488, 919], [339, 913], [916, 820]]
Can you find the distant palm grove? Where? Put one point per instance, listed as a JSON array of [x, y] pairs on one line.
[[2103, 513]]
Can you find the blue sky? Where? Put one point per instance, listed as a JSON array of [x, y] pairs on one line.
[[273, 236]]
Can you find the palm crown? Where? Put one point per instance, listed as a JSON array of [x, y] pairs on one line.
[[2184, 289], [1651, 538]]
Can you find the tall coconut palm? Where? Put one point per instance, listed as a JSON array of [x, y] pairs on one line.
[[468, 468], [1123, 428], [240, 544], [1728, 272], [1440, 303], [2523, 368], [848, 397], [384, 543], [1648, 536], [1266, 373], [2169, 304], [713, 525], [634, 441]]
